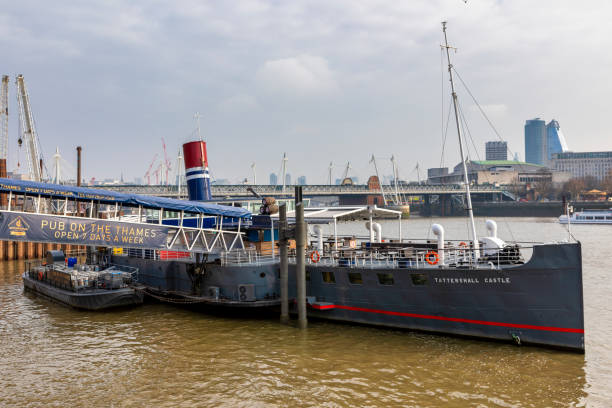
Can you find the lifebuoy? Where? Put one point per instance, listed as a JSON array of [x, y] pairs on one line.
[[40, 275], [432, 257], [314, 256], [463, 244]]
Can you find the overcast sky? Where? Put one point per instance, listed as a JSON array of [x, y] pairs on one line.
[[321, 80]]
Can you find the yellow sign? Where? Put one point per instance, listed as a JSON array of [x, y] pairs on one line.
[[117, 251], [18, 227]]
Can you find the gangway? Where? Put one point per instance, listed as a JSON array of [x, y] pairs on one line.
[[59, 214]]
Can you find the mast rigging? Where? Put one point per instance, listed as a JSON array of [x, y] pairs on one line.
[[465, 173]]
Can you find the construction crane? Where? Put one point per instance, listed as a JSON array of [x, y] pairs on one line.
[[167, 162], [4, 124], [147, 175], [28, 132], [159, 173]]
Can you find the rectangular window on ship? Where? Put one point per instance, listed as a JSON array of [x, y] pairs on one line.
[[328, 277], [355, 278], [385, 278]]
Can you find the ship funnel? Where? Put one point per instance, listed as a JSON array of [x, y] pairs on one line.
[[438, 230], [492, 228], [374, 227], [196, 171]]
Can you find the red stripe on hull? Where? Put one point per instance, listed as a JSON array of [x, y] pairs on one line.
[[450, 319]]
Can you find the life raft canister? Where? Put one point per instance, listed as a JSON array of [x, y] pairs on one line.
[[432, 257]]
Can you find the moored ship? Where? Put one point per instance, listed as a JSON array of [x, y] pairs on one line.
[[482, 287], [83, 286]]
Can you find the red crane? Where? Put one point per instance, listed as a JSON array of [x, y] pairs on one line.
[[158, 173], [168, 165], [147, 175]]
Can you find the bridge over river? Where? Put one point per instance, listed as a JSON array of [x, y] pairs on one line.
[[442, 199]]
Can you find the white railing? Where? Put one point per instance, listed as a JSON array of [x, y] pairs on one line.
[[178, 238], [454, 257], [249, 256]]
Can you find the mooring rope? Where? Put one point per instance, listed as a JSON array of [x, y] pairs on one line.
[[184, 300]]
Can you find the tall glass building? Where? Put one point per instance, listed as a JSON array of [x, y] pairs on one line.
[[535, 142], [555, 141]]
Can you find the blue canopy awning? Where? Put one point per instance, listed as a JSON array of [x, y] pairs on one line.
[[111, 197]]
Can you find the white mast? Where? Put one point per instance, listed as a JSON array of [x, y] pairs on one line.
[[254, 174], [395, 177], [284, 170], [373, 160], [346, 170], [197, 117], [57, 160], [465, 173], [331, 167], [179, 172]]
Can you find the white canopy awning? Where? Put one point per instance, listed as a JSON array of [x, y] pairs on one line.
[[326, 215]]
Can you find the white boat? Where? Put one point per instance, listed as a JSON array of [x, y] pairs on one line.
[[588, 217]]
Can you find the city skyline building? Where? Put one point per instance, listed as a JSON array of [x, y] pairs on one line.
[[583, 164], [555, 140], [496, 150], [301, 181], [273, 179], [535, 142]]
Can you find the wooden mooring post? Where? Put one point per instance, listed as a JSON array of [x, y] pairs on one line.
[[300, 258], [284, 263]]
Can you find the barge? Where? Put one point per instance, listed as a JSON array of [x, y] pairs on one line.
[[82, 286]]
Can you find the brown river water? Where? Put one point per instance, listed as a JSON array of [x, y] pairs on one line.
[[167, 356]]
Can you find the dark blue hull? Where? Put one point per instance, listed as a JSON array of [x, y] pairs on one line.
[[539, 302], [96, 299], [211, 283]]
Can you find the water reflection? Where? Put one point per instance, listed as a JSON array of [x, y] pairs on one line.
[[159, 355]]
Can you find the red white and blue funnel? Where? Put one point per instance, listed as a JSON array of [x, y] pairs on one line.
[[196, 171]]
